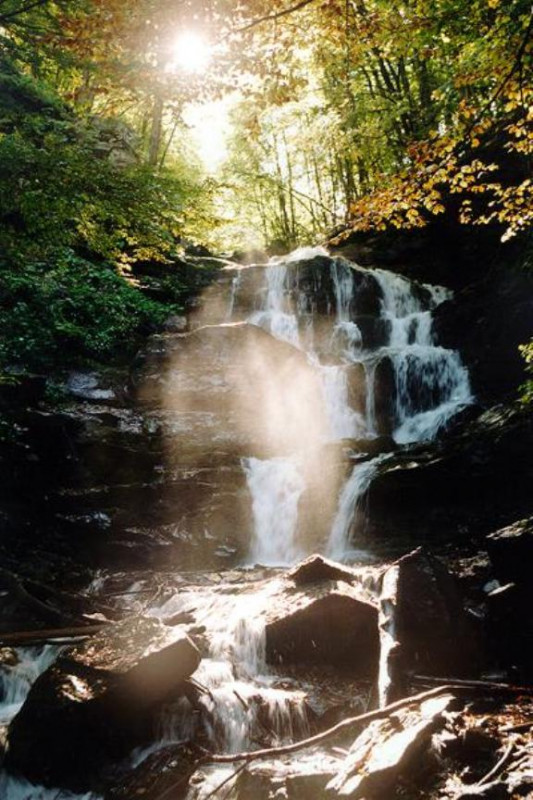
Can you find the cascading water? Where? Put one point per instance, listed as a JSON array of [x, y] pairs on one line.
[[430, 384], [241, 697], [350, 502], [275, 486], [243, 702]]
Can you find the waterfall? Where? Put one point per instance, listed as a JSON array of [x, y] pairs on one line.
[[274, 317], [234, 671], [275, 487], [344, 422], [15, 681], [441, 385], [350, 507], [429, 383]]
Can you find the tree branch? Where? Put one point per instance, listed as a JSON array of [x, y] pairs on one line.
[[269, 17], [379, 713], [22, 10]]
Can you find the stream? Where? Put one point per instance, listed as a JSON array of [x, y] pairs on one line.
[[381, 375]]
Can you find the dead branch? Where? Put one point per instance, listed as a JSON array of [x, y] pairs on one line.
[[15, 586], [497, 768], [271, 17], [345, 724], [49, 635], [472, 684]]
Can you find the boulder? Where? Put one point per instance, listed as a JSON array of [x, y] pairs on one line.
[[423, 625], [89, 386], [176, 324], [97, 702], [302, 777], [388, 750], [329, 622], [317, 568], [455, 487], [166, 770]]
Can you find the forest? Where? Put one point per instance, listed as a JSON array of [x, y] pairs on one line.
[[319, 119], [266, 381]]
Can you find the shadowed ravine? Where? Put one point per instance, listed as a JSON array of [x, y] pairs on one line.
[[307, 378]]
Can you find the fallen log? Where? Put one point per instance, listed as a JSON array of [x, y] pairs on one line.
[[346, 724], [466, 683], [50, 635]]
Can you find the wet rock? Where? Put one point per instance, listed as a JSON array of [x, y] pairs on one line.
[[385, 396], [423, 625], [328, 623], [488, 321], [165, 771], [387, 751], [235, 387], [317, 568], [181, 618], [511, 552], [97, 702], [176, 324], [300, 778], [480, 473], [88, 386], [357, 388]]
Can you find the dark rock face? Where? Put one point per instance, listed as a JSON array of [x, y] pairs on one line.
[[433, 629], [511, 552], [478, 474], [329, 625], [166, 770], [487, 322], [228, 385], [510, 624], [97, 702]]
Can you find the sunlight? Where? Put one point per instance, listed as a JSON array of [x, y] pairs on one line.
[[191, 52], [210, 128]]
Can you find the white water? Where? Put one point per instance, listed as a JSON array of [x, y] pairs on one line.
[[276, 486], [430, 386], [350, 507], [344, 422], [241, 699]]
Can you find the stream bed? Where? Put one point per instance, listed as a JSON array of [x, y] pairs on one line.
[[299, 384]]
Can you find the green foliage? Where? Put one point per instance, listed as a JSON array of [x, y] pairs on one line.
[[78, 211], [64, 312]]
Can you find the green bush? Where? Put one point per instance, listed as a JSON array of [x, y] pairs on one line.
[[70, 311]]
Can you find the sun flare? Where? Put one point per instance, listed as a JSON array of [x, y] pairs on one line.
[[191, 52]]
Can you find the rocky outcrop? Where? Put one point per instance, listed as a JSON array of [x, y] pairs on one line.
[[510, 596], [488, 321], [327, 622], [478, 474], [233, 386], [388, 750], [97, 702], [423, 624]]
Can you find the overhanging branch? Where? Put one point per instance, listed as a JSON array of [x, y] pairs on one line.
[[270, 17]]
